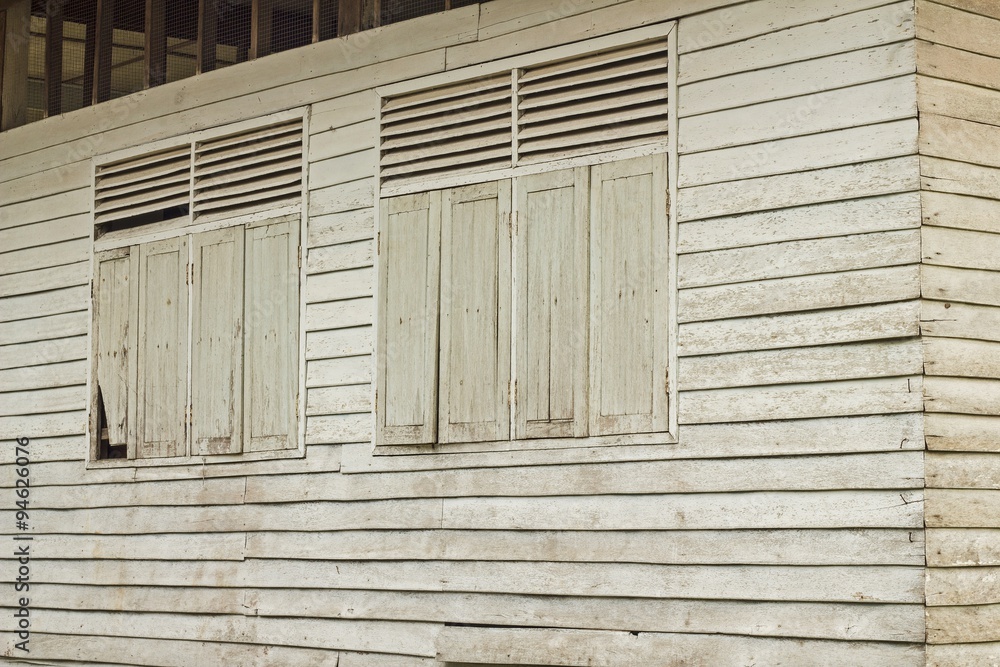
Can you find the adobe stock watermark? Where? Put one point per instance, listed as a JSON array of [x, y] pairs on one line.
[[22, 544]]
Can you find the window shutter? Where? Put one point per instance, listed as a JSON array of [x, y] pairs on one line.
[[475, 313], [604, 101], [629, 297], [409, 275], [117, 293], [552, 277], [163, 339], [217, 332], [271, 315]]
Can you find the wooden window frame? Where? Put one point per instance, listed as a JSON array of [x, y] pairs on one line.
[[132, 240], [667, 146]]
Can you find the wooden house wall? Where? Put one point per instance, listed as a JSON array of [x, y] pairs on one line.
[[786, 526], [959, 95]]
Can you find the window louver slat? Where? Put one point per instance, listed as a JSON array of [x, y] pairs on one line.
[[142, 185], [599, 102], [464, 126], [239, 172]]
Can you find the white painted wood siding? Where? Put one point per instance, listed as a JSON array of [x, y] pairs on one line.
[[785, 525], [958, 62]]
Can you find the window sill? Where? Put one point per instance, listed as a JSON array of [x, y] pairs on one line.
[[104, 464], [535, 444]]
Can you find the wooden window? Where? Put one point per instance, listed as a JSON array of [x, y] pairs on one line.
[[589, 329], [196, 297]]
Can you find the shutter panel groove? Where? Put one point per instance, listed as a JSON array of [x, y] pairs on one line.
[[248, 172], [460, 128], [158, 182]]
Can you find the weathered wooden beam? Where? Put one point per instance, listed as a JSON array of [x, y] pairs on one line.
[[350, 17], [89, 59], [3, 48], [155, 64], [371, 14], [53, 57], [14, 73], [208, 21], [103, 46], [317, 14], [261, 19]]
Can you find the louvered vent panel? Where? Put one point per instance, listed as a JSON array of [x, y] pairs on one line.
[[460, 128], [248, 172], [605, 101], [146, 184]]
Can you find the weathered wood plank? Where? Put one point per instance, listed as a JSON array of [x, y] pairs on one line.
[[959, 248], [963, 655], [833, 399], [196, 546], [962, 508], [769, 18], [701, 547], [800, 293], [821, 111], [44, 376], [801, 365], [357, 225], [343, 140], [44, 401], [340, 314], [337, 372], [963, 470], [367, 635], [941, 24], [951, 432], [46, 425], [44, 233], [829, 620], [343, 197], [358, 254], [797, 78], [963, 395], [214, 492], [959, 625], [782, 156], [957, 357], [45, 280], [339, 429], [871, 471], [957, 100], [963, 285], [871, 584], [799, 258], [946, 63], [347, 399], [894, 320], [606, 649], [42, 304], [348, 342], [869, 179], [328, 115], [844, 509], [960, 212], [962, 140], [171, 653], [959, 178], [343, 168], [40, 257], [340, 285], [955, 586], [960, 320], [951, 547], [804, 223], [882, 433], [61, 205]]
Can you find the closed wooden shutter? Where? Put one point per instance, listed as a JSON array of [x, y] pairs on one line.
[[117, 292], [552, 277], [163, 344], [217, 333], [629, 297], [475, 313], [409, 283], [271, 314]]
